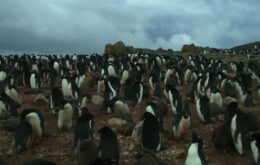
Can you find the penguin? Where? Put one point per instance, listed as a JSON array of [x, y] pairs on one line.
[[239, 128], [108, 147], [55, 100], [34, 80], [202, 108], [22, 137], [111, 70], [221, 136], [216, 97], [38, 161], [12, 91], [124, 77], [151, 138], [87, 153], [8, 106], [157, 110], [112, 86], [35, 118], [182, 122], [83, 130], [255, 147], [118, 105], [175, 98], [3, 75], [66, 87], [195, 153], [65, 117]]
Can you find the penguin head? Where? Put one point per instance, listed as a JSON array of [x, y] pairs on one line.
[[67, 106], [195, 138], [232, 109], [106, 132]]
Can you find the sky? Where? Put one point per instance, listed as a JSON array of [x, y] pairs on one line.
[[85, 26]]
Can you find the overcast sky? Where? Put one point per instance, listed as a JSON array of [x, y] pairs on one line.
[[84, 26]]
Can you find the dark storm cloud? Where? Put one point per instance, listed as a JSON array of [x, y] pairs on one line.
[[84, 26]]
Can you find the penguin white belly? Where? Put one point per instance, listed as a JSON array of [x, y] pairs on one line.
[[187, 76], [183, 126], [120, 107], [198, 108], [238, 144], [150, 110], [65, 119], [125, 76], [35, 122], [33, 82], [151, 83], [2, 76], [141, 94], [216, 98], [193, 156], [81, 80], [64, 87], [254, 150], [111, 71], [171, 102]]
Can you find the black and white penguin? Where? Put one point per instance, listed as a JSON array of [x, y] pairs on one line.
[[195, 153], [38, 162], [35, 118], [151, 138], [118, 105], [216, 97], [221, 137], [83, 130], [34, 80], [111, 70], [182, 122], [108, 147], [255, 147], [158, 110], [239, 128], [12, 91], [124, 77], [22, 136], [175, 98], [112, 85], [66, 87], [87, 153], [56, 100], [202, 108], [8, 106], [65, 117]]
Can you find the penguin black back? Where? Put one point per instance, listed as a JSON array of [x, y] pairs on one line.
[[151, 132], [108, 147]]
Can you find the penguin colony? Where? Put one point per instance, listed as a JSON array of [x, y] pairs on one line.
[[216, 92]]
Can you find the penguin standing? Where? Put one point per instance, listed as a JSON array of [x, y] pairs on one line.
[[108, 147], [151, 138], [35, 118], [13, 92], [65, 117], [202, 108], [255, 147], [195, 154], [240, 128], [181, 123], [175, 98], [34, 80], [83, 130], [55, 100], [22, 136]]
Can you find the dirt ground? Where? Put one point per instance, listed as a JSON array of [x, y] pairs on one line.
[[58, 146]]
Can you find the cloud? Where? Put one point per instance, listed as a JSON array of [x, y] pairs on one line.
[[85, 26]]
